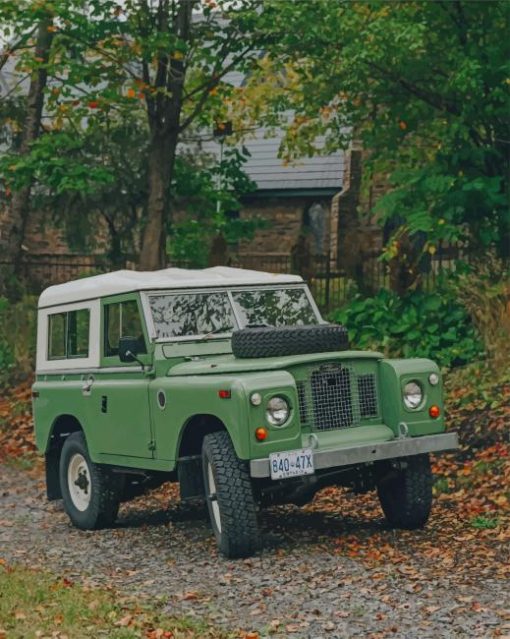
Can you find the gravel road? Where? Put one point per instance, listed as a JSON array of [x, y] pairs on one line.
[[303, 584]]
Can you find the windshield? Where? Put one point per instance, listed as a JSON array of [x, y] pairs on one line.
[[179, 315], [197, 314], [276, 307]]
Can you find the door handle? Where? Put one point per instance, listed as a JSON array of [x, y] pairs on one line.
[[87, 386]]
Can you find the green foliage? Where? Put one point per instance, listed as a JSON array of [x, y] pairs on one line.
[[6, 354], [203, 198], [484, 523], [425, 87], [432, 325], [17, 339], [112, 64], [56, 161]]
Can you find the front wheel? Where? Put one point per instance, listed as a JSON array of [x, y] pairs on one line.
[[405, 493], [229, 497], [91, 492]]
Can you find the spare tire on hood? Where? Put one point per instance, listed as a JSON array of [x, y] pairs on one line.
[[269, 341]]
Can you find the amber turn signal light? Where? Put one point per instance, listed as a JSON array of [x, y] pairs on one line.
[[434, 411], [261, 434]]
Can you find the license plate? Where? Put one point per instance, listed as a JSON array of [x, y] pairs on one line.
[[291, 464]]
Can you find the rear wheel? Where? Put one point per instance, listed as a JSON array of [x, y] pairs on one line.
[[406, 493], [229, 497], [91, 492]]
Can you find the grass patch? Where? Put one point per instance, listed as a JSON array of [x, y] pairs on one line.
[[35, 604], [442, 486], [21, 463], [484, 523]]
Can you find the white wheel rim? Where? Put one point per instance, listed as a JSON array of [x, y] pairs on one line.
[[78, 482], [213, 498]]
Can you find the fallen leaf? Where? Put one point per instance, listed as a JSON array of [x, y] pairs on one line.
[[190, 596], [292, 627], [127, 620]]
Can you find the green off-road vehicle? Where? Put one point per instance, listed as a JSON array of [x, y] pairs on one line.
[[230, 382]]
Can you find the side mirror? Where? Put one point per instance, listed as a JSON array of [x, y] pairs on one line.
[[128, 347]]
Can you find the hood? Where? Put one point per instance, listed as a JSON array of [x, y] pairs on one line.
[[220, 364]]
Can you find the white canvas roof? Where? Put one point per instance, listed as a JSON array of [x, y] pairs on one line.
[[170, 278]]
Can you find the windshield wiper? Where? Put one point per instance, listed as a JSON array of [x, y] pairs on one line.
[[220, 329]]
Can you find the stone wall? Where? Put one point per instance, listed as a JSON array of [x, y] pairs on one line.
[[285, 219], [42, 237], [332, 225]]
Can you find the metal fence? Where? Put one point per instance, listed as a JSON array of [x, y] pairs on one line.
[[40, 271], [332, 287]]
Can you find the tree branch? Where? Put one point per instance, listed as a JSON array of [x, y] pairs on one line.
[[432, 99], [207, 86], [4, 57]]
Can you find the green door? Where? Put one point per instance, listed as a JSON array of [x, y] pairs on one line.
[[119, 392]]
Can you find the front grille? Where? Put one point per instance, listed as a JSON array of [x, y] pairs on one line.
[[334, 396], [303, 404], [367, 393]]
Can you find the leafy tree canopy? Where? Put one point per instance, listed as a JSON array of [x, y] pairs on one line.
[[424, 86], [162, 63]]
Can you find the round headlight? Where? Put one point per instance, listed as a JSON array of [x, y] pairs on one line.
[[413, 395], [277, 411]]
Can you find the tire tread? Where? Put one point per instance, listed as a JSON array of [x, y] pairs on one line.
[[239, 536], [406, 496], [267, 341]]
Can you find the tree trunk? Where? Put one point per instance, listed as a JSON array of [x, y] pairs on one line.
[[160, 170], [164, 114], [20, 205]]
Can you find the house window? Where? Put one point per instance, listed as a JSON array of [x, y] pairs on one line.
[[315, 219], [68, 334], [122, 319]]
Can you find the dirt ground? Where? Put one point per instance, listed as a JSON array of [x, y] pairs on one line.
[[332, 569]]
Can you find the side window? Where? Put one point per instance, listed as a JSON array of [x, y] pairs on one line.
[[57, 336], [68, 334], [78, 333], [111, 329], [122, 319]]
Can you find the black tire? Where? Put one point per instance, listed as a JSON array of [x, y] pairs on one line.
[[405, 493], [235, 521], [103, 491], [268, 341]]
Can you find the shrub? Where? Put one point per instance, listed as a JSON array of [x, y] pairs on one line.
[[419, 324], [485, 293], [17, 338]]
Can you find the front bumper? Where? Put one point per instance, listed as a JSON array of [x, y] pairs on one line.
[[333, 458]]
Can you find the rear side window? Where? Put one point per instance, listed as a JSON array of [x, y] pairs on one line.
[[122, 319], [68, 334]]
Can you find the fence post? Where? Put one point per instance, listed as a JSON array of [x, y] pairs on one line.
[[328, 282]]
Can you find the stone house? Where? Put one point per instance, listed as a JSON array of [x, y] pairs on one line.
[[293, 199]]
